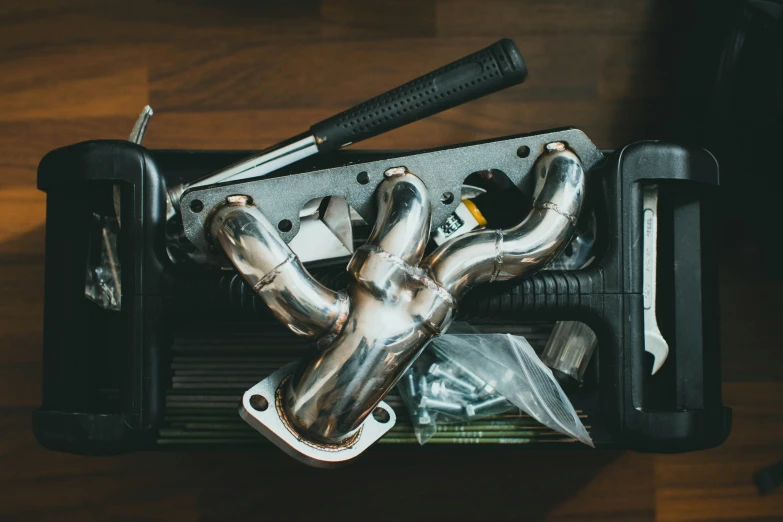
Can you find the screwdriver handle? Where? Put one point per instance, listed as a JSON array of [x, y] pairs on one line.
[[498, 66]]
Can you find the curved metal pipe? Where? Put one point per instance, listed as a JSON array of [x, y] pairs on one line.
[[395, 310], [402, 227], [520, 251], [275, 273], [395, 306]]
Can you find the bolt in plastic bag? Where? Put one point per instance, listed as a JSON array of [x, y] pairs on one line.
[[102, 283], [436, 392], [492, 373]]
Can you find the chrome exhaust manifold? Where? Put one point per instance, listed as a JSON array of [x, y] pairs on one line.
[[328, 408]]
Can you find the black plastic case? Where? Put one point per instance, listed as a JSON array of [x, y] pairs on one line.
[[88, 350]]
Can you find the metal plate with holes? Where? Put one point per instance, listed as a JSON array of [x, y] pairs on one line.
[[259, 410], [442, 170]]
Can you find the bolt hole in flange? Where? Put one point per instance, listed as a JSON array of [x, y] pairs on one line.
[[196, 206], [447, 198], [523, 151], [259, 402], [285, 225], [363, 178], [381, 415]]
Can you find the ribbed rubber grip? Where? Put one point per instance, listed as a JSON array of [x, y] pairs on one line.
[[543, 295], [498, 66], [547, 293]]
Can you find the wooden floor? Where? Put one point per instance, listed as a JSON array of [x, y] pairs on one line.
[[243, 74]]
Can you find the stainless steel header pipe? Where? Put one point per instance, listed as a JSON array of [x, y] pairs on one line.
[[275, 273], [520, 251], [395, 302], [395, 309]]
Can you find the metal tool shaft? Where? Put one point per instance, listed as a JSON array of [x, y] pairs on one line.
[[273, 158], [479, 74]]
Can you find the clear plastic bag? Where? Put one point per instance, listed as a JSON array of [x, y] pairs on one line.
[[498, 372], [103, 274], [437, 392]]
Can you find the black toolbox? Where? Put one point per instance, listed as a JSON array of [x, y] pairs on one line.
[[169, 368]]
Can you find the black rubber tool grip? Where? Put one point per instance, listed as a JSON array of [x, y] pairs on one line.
[[498, 66]]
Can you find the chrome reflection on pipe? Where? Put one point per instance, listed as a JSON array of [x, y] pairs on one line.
[[520, 251], [402, 227], [395, 309], [275, 273], [395, 302]]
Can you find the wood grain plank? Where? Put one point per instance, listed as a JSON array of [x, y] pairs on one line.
[[75, 82], [24, 212], [631, 477], [718, 484], [750, 342], [577, 17], [20, 336], [20, 382], [639, 68], [392, 18], [340, 74], [228, 130], [24, 143], [47, 24]]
